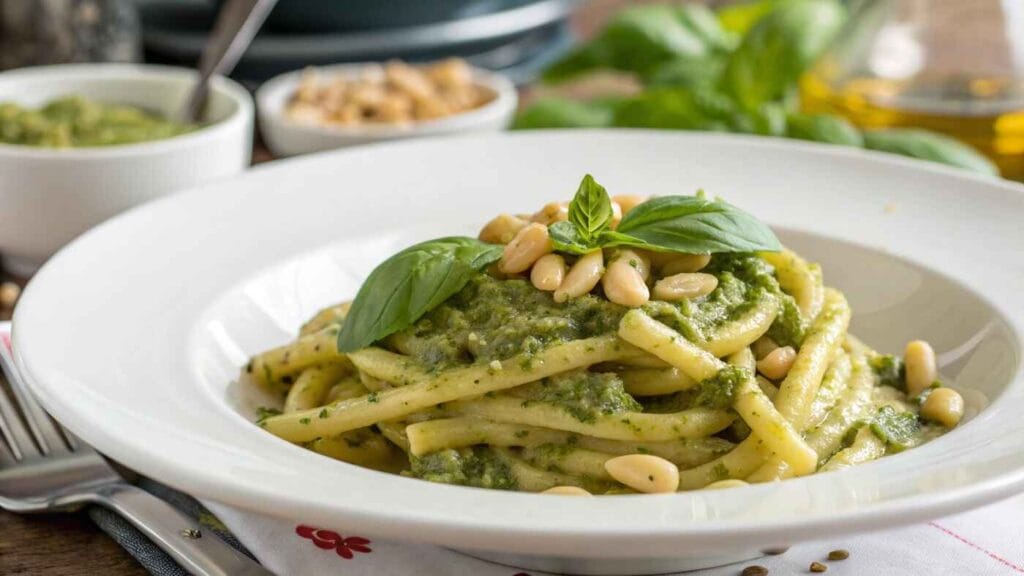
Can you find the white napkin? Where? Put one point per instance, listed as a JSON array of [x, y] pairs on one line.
[[985, 542]]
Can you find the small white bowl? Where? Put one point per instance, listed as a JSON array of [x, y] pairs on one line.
[[286, 137], [49, 196]]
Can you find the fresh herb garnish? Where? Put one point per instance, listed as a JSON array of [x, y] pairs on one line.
[[733, 70], [895, 428], [687, 224], [410, 284], [590, 211]]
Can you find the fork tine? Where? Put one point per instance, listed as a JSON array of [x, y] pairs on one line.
[[43, 429], [14, 431]]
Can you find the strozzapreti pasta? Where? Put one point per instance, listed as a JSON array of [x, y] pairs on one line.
[[603, 346]]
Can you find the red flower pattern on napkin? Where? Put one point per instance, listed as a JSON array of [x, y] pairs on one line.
[[330, 540]]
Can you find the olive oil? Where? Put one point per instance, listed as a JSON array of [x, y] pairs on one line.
[[987, 113]]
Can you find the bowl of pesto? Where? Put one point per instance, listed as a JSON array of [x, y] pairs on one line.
[[80, 143]]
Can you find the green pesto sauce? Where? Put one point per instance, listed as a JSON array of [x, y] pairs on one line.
[[583, 395], [788, 328], [477, 466], [744, 281], [76, 122], [494, 319], [719, 391]]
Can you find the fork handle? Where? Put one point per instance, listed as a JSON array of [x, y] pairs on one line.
[[198, 551]]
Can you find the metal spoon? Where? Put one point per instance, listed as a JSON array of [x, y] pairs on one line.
[[236, 25]]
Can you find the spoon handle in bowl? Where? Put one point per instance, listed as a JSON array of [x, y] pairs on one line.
[[236, 25]]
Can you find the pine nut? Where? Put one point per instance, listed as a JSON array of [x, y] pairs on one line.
[[624, 281], [920, 362], [777, 363], [548, 272], [567, 491], [629, 201], [552, 212], [582, 277], [762, 347], [527, 247], [686, 263], [684, 286], [644, 473], [502, 229], [723, 484], [944, 406]]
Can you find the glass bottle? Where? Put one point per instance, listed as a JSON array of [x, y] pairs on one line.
[[954, 66]]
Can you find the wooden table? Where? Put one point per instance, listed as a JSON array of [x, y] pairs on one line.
[[71, 545]]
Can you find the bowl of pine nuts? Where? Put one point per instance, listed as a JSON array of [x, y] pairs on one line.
[[351, 104]]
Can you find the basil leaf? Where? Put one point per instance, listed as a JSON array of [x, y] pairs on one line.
[[696, 225], [928, 145], [562, 113], [779, 48], [610, 238], [410, 284], [641, 37], [590, 210], [823, 128], [565, 238], [897, 429], [676, 108]]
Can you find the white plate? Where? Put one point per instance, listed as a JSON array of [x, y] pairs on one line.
[[133, 334]]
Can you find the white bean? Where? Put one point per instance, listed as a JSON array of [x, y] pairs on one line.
[[685, 263], [920, 362], [616, 215], [629, 201], [684, 286], [567, 491], [527, 247], [762, 347], [624, 281], [776, 365], [502, 229], [582, 277], [548, 272], [552, 212], [644, 473], [944, 406]]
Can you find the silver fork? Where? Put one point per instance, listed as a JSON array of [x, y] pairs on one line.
[[44, 468]]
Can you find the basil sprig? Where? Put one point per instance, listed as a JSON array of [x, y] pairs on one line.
[[687, 224], [410, 284]]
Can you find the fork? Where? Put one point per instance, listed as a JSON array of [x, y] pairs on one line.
[[45, 468]]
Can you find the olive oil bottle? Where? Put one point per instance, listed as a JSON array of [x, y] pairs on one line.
[[949, 66]]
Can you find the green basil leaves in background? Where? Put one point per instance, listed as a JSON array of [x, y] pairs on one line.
[[410, 284], [564, 113], [928, 145], [688, 224], [734, 71], [779, 48], [642, 37], [823, 128]]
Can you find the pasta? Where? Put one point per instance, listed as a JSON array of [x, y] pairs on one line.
[[684, 359]]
